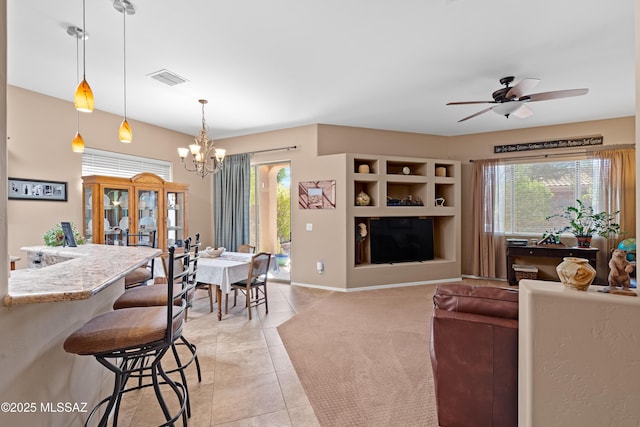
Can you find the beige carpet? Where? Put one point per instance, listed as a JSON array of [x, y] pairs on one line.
[[363, 357]]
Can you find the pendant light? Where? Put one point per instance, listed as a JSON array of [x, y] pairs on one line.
[[77, 143], [123, 6], [83, 98]]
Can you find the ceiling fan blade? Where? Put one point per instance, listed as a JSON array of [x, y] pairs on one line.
[[476, 114], [543, 96], [471, 102], [521, 88], [523, 112]]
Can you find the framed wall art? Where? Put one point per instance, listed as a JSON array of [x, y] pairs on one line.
[[317, 194], [34, 189]]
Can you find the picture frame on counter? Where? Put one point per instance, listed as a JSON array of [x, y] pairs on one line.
[[35, 189]]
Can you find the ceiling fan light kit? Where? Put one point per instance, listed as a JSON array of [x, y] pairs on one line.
[[510, 100]]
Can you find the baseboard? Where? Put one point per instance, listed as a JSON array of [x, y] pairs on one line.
[[471, 276], [371, 288]]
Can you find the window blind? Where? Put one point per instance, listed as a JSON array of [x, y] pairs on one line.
[[531, 192], [100, 162]]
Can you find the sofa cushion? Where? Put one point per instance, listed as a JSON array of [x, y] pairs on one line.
[[482, 300]]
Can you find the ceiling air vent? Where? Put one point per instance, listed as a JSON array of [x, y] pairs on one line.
[[167, 77]]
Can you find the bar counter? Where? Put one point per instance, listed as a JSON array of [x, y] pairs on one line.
[[72, 286], [73, 273]]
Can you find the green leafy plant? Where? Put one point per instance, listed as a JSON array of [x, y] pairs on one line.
[[55, 236], [584, 222]]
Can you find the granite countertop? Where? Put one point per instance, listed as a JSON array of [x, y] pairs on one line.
[[87, 270]]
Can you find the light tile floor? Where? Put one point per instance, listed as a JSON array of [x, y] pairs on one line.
[[247, 377]]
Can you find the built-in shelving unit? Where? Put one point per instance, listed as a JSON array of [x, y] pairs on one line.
[[403, 186]]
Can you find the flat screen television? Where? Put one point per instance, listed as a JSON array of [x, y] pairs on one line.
[[401, 239]]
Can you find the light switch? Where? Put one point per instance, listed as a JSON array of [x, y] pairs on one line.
[[309, 226]]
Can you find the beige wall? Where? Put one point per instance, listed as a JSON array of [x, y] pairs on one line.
[[344, 139], [575, 350], [40, 129], [43, 152], [313, 161], [480, 146], [637, 117], [3, 149]]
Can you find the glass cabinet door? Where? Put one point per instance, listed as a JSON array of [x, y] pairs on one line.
[[116, 214], [88, 212], [147, 210], [175, 218]]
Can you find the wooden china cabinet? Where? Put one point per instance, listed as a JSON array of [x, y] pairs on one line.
[[142, 203]]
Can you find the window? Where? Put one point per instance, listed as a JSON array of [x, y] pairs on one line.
[[534, 191], [99, 162]]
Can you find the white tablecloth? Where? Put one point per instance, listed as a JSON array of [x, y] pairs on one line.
[[226, 269]]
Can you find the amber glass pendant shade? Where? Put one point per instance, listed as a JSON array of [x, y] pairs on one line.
[[77, 143], [83, 98], [124, 133]]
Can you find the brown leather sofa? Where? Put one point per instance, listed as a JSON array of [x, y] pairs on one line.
[[474, 355]]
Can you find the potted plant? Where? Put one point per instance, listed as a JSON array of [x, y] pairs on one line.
[[584, 223], [55, 236]]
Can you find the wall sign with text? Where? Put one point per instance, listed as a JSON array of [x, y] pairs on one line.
[[545, 145]]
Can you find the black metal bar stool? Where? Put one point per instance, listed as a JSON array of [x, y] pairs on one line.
[[143, 274], [123, 340], [157, 294]]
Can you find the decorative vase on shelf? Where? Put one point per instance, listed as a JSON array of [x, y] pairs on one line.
[[576, 273], [363, 199], [364, 168]]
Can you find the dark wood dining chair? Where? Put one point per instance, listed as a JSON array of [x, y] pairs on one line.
[[143, 297], [141, 275], [255, 287]]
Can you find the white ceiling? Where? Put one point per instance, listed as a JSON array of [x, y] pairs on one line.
[[369, 63]]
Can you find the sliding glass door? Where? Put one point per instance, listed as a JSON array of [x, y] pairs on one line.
[[270, 224]]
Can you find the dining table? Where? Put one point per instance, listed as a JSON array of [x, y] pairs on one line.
[[224, 270]]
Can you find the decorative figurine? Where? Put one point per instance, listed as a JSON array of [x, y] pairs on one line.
[[363, 199], [619, 274]]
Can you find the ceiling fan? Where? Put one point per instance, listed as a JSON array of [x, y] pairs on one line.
[[512, 99]]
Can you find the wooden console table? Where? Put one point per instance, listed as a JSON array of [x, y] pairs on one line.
[[543, 251]]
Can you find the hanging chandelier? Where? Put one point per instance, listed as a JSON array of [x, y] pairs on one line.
[[205, 158]]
